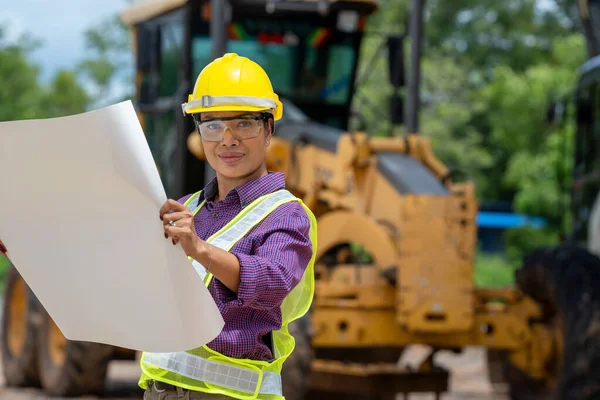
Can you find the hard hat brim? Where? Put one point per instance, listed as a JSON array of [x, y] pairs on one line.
[[195, 110]]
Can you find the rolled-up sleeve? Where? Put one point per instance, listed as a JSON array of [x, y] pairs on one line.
[[281, 254]]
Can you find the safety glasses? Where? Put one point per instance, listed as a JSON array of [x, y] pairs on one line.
[[241, 127]]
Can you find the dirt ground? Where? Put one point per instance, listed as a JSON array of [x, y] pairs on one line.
[[469, 379], [468, 382], [122, 385]]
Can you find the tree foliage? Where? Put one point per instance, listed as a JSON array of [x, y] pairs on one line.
[[534, 151], [24, 96], [108, 59], [490, 71], [90, 84]]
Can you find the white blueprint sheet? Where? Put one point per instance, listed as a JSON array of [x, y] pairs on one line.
[[79, 215]]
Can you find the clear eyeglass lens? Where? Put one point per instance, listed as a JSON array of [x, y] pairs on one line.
[[243, 128]]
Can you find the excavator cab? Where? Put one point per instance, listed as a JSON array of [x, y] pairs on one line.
[[310, 50]]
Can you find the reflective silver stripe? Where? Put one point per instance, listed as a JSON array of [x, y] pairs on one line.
[[230, 236], [216, 373], [195, 210], [210, 101], [199, 269], [192, 199]]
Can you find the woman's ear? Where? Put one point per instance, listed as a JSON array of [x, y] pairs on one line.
[[270, 131]]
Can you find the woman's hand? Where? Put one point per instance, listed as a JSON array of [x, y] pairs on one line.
[[178, 223], [222, 264]]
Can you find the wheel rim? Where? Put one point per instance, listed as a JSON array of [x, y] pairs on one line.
[[18, 314], [57, 343]]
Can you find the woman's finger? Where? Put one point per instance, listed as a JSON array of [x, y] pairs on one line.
[[176, 232], [175, 216], [171, 205], [165, 208]]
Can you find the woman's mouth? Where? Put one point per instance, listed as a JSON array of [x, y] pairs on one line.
[[231, 157]]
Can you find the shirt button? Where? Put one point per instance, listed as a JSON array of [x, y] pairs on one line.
[[215, 215]]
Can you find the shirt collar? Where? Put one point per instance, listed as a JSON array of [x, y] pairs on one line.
[[210, 191], [249, 191]]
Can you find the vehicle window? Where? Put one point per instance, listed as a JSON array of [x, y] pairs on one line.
[[276, 59], [305, 63], [171, 43]]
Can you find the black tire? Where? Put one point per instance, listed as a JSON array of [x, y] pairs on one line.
[[19, 333], [565, 280], [70, 368], [523, 387], [295, 375]]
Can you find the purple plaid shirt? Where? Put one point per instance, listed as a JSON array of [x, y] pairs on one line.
[[273, 257]]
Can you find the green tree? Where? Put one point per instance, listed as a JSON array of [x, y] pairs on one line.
[[517, 106], [487, 78], [20, 89], [487, 33], [66, 96], [489, 72], [107, 65], [451, 101], [24, 96]]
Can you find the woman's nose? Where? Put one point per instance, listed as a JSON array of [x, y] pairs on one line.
[[228, 138]]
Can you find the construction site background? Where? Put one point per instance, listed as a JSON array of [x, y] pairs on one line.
[[495, 104]]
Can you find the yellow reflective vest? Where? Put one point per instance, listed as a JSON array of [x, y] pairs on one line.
[[205, 370]]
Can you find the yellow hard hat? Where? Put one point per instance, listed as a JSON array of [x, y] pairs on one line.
[[233, 83]]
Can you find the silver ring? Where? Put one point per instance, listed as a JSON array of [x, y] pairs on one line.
[[172, 223]]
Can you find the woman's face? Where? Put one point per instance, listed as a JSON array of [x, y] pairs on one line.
[[234, 142]]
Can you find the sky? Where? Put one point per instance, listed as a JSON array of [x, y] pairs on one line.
[[59, 24]]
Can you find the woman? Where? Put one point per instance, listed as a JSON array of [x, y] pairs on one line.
[[251, 241]]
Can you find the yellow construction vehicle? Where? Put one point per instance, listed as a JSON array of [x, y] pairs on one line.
[[397, 234]]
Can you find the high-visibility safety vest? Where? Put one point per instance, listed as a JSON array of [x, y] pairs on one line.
[[205, 370]]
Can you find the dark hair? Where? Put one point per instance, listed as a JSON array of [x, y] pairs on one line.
[[269, 120]]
